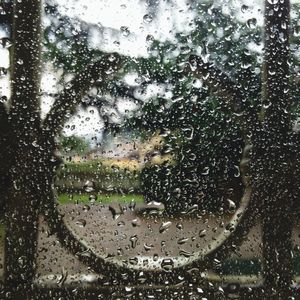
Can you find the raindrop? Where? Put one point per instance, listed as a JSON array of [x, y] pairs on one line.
[[121, 223], [89, 186], [132, 205], [92, 198], [80, 223], [133, 261], [244, 8], [164, 226], [125, 31], [149, 39], [35, 144], [167, 264], [231, 206], [179, 226], [136, 222], [251, 23], [6, 42], [185, 253], [148, 247], [205, 171], [192, 209], [148, 18], [16, 185], [86, 208], [202, 233], [133, 239], [21, 261], [116, 209], [237, 172], [182, 240], [3, 71]]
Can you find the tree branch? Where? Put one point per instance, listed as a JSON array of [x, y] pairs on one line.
[[67, 101], [220, 83]]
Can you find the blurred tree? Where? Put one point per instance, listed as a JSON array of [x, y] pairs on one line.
[[72, 145]]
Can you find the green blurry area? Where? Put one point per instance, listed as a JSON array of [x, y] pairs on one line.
[[107, 177], [100, 198]]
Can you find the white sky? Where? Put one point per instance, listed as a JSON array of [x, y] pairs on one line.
[[132, 14]]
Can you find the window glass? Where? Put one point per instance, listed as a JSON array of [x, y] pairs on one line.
[[162, 139]]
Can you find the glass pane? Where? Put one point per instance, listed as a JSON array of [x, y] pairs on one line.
[[152, 140]]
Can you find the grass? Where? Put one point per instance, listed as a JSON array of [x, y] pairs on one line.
[[101, 198]]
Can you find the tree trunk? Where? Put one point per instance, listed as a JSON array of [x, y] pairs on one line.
[[24, 117]]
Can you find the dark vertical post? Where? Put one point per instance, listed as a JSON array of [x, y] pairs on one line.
[[24, 116], [277, 223]]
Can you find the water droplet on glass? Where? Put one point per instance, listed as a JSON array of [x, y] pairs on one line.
[[167, 264], [132, 205], [16, 185], [3, 71], [205, 171], [231, 206], [202, 233], [185, 253], [179, 226], [125, 30], [6, 42], [149, 39], [237, 172], [164, 226], [116, 209], [35, 144], [244, 8], [92, 198], [80, 223], [148, 247], [89, 186], [182, 241], [133, 261], [21, 261], [251, 23], [136, 222], [86, 208], [133, 239], [147, 18]]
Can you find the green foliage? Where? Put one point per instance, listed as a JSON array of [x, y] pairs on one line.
[[108, 178], [73, 145], [100, 198]]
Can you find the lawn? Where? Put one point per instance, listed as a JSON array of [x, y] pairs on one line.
[[100, 198]]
